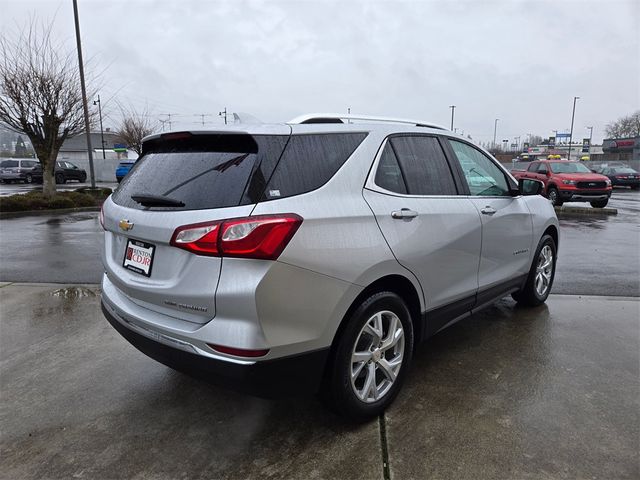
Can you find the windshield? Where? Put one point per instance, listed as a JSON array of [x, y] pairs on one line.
[[568, 167]]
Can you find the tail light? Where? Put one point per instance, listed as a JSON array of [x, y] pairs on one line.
[[262, 237]]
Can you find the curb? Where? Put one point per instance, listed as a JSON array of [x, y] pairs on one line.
[[587, 211], [29, 213]]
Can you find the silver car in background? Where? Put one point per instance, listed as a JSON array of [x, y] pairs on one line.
[[315, 256]]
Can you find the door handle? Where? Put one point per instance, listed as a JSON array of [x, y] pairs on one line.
[[488, 210], [403, 213]]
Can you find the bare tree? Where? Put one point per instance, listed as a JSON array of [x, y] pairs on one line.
[[625, 127], [40, 93], [135, 126]]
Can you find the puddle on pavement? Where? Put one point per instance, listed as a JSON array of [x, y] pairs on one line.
[[74, 292], [68, 219]]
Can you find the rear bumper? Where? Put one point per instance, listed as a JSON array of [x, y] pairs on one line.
[[289, 376]]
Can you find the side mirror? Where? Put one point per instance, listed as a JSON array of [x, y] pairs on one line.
[[529, 186]]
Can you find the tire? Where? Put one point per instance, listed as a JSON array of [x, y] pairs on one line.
[[28, 178], [60, 178], [531, 295], [600, 203], [360, 399], [635, 187], [554, 197], [83, 178]]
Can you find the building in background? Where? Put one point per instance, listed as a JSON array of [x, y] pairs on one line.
[[621, 149]]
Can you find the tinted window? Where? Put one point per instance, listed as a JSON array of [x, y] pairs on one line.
[[388, 175], [309, 161], [28, 163], [9, 163], [533, 167], [483, 176], [423, 165], [209, 172]]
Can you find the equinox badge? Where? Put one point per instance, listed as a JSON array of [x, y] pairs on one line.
[[125, 225]]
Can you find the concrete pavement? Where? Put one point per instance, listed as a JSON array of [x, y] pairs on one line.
[[551, 392]]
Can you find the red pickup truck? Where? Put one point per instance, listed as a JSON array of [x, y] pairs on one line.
[[566, 181]]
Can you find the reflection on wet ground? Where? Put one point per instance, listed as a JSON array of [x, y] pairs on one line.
[[600, 254]]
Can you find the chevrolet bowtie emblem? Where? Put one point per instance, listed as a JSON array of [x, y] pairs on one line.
[[125, 225]]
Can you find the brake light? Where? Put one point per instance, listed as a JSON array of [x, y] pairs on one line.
[[238, 352], [200, 238], [261, 237]]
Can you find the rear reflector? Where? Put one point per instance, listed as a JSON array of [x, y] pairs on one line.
[[261, 237], [238, 352]]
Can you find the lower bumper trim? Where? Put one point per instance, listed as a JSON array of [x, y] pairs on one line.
[[281, 377]]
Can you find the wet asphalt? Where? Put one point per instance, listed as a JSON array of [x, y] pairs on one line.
[[510, 393], [599, 254]]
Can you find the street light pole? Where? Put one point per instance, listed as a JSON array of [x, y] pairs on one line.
[[495, 128], [590, 135], [83, 88], [453, 108], [573, 114], [223, 114], [97, 102]]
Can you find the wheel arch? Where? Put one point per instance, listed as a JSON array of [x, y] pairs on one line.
[[397, 284], [552, 231]]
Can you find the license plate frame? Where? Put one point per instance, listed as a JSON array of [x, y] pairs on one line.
[[141, 250]]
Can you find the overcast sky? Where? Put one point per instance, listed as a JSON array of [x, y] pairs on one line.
[[519, 61]]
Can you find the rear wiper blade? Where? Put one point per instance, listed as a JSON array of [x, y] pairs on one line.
[[156, 201]]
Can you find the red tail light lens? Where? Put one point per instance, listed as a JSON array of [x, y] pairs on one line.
[[199, 238], [262, 237]]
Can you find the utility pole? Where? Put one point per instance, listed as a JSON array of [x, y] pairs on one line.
[[97, 102], [223, 114], [168, 119], [573, 114], [495, 128], [453, 108], [162, 121], [83, 88], [202, 115]]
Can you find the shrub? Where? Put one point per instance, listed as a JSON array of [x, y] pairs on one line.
[[60, 201]]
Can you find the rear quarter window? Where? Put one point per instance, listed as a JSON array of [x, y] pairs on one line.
[[309, 161]]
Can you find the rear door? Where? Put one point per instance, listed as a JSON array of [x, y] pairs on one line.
[[432, 230], [215, 177], [506, 221]]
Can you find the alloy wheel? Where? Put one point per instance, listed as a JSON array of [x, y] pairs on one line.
[[377, 355], [544, 270]]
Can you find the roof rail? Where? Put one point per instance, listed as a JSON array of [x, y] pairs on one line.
[[338, 117]]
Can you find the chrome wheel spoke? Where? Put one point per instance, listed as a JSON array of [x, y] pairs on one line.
[[389, 368], [376, 358]]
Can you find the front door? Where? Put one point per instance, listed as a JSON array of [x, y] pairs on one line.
[[506, 221]]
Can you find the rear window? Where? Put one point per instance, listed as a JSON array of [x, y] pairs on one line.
[[8, 163], [210, 171], [309, 162]]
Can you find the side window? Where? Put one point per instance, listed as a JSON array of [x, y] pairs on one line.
[[389, 176], [483, 176], [542, 168], [533, 167], [423, 165], [309, 161]]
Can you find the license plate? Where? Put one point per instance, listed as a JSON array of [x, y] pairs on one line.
[[138, 257]]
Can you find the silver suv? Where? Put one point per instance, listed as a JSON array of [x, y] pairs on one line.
[[314, 256]]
